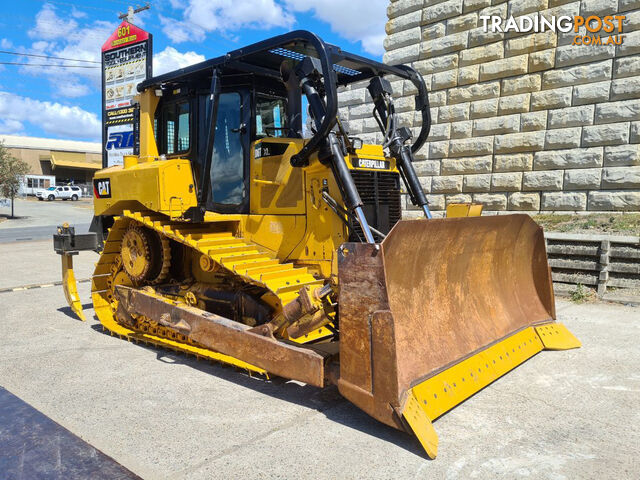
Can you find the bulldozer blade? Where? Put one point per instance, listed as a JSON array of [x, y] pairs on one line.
[[70, 286], [437, 311]]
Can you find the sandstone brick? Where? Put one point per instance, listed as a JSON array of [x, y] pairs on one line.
[[447, 184], [506, 182], [468, 75], [436, 202], [401, 104], [446, 79], [543, 60], [358, 111], [530, 43], [521, 7], [402, 7], [615, 201], [598, 7], [440, 131], [471, 5], [484, 108], [593, 72], [406, 54], [491, 201], [518, 162], [545, 180], [626, 67], [458, 198], [533, 121], [591, 93], [571, 201], [403, 22], [546, 99], [471, 147], [433, 31], [625, 88], [523, 84], [572, 158], [442, 45], [571, 116], [425, 182], [466, 165], [462, 23], [582, 179], [519, 142], [505, 67], [404, 119], [438, 149], [352, 97], [622, 156], [621, 177], [483, 54], [453, 113], [476, 183], [402, 38], [514, 104], [461, 129], [477, 36], [355, 126], [631, 44], [576, 54], [562, 138], [427, 167], [607, 134], [524, 201], [441, 11], [437, 99], [437, 64], [478, 91], [625, 5], [496, 125]]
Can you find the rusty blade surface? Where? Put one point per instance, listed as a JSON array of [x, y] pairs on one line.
[[228, 337], [434, 293], [457, 285]]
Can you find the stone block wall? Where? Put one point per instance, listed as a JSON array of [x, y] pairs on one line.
[[521, 122]]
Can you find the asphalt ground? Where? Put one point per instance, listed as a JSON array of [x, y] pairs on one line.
[[560, 415]]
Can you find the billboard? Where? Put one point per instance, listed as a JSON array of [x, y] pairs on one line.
[[126, 61]]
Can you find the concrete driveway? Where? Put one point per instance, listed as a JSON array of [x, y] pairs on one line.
[[560, 415]]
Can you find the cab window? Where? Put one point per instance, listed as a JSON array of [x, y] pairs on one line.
[[227, 164], [271, 116], [173, 135]]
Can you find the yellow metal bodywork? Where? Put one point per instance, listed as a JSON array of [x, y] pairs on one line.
[[464, 210], [443, 391]]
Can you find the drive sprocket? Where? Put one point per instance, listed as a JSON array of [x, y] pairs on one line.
[[146, 256]]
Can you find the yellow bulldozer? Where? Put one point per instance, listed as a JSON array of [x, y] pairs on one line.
[[233, 236]]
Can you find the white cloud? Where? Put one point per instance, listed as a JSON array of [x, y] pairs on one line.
[[11, 127], [76, 41], [5, 43], [52, 117], [201, 16], [355, 20], [171, 59]]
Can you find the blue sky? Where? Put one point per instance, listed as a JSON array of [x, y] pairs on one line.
[[51, 100]]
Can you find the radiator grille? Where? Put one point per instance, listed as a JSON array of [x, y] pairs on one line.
[[380, 194]]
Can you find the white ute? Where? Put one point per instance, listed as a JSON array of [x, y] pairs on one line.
[[63, 192]]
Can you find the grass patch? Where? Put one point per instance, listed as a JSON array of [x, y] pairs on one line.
[[582, 294], [624, 224]]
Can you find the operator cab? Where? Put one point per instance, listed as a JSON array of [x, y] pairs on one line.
[[255, 94]]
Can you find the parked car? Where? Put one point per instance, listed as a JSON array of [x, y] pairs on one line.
[[63, 192]]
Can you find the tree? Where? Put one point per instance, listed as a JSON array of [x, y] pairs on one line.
[[11, 172]]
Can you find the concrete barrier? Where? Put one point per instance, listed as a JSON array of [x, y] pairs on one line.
[[598, 261]]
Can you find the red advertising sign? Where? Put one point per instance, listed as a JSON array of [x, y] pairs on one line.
[[126, 34]]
